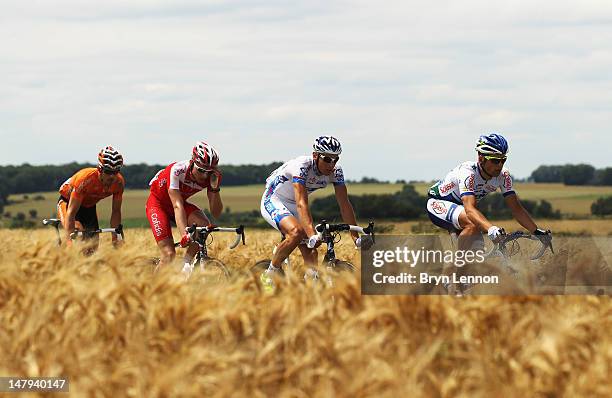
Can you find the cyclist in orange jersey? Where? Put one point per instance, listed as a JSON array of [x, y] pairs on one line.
[[76, 207]]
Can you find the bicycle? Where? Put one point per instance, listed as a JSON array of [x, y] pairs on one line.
[[88, 234], [329, 235], [506, 247], [211, 267]]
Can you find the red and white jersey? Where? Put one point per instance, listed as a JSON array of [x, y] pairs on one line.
[[175, 176]]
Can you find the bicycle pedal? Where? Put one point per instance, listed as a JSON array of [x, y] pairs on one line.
[[311, 274]]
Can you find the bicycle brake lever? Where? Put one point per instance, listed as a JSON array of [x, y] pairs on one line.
[[542, 250], [236, 242], [241, 230]]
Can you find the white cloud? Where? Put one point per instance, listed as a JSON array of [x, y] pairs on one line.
[[407, 85]]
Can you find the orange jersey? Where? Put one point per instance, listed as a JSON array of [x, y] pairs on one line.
[[85, 186]]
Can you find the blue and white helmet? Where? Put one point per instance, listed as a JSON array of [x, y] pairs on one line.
[[327, 144], [493, 144]]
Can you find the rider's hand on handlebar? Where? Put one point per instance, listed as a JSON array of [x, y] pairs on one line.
[[495, 233], [545, 236], [185, 240], [314, 241], [117, 243], [365, 242]]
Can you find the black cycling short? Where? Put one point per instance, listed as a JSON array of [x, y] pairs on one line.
[[87, 216]]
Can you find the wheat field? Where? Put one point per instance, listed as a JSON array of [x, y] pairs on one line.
[[116, 328]]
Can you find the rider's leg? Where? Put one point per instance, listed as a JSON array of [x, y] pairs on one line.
[[159, 220], [62, 211], [294, 234], [88, 218], [282, 217], [310, 256], [166, 249], [452, 217], [470, 237]]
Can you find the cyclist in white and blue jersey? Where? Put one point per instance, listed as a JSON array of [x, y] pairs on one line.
[[453, 201], [284, 204]]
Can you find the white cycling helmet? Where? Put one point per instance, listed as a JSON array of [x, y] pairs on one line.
[[110, 160], [327, 144], [204, 155]]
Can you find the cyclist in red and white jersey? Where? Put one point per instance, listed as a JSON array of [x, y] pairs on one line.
[[170, 189], [453, 201]]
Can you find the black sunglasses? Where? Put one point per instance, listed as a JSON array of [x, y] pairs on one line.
[[201, 170], [110, 172], [329, 159], [498, 160]]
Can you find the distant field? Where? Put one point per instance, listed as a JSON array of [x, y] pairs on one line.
[[570, 200], [574, 201], [237, 198]]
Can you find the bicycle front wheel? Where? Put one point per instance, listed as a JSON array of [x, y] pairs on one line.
[[261, 266], [213, 270], [341, 266]]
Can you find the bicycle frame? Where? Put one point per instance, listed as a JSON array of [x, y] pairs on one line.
[[325, 232]]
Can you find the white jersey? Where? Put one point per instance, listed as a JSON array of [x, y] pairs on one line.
[[303, 171], [466, 179]]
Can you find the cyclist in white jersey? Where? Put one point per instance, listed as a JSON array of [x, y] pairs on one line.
[[452, 202], [284, 204]]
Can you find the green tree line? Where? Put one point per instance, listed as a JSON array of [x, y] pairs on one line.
[[27, 178], [573, 174], [407, 204]]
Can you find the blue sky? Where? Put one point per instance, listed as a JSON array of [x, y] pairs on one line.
[[407, 86]]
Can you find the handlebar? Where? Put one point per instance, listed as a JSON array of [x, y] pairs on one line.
[[52, 221], [90, 233], [499, 248], [323, 228], [194, 230]]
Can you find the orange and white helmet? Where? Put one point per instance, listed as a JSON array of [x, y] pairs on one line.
[[109, 159], [204, 156]]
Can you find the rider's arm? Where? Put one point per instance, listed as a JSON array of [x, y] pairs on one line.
[[214, 203], [115, 219], [346, 209], [519, 213], [180, 216], [473, 214], [301, 200], [73, 207]]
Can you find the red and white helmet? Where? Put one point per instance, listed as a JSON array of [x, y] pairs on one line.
[[109, 159], [205, 156]]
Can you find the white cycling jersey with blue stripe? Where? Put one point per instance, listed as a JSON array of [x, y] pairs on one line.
[[466, 179], [303, 171]]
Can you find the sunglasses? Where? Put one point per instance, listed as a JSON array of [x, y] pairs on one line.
[[329, 159], [496, 160], [110, 172], [203, 171]]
